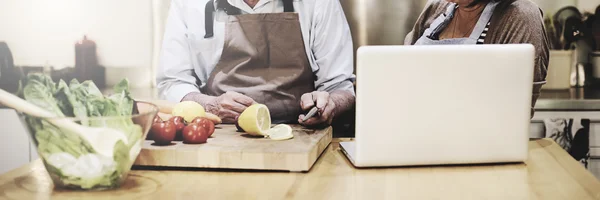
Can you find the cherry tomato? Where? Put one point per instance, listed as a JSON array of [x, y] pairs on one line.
[[157, 119], [163, 133], [179, 125], [206, 124], [193, 133], [237, 125]]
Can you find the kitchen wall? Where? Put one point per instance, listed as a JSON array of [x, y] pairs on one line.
[[43, 32], [588, 5]]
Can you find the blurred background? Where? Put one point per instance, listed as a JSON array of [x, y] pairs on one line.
[[112, 39]]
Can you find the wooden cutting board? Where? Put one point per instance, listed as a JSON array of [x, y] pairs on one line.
[[230, 149]]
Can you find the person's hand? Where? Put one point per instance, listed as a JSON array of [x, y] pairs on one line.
[[325, 105], [229, 106]]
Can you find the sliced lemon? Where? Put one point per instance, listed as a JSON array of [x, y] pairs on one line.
[[255, 120], [280, 132], [188, 110]]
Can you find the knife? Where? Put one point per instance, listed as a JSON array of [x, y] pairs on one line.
[[310, 113]]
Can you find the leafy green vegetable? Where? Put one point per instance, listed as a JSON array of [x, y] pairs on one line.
[[40, 90], [121, 157], [85, 101], [68, 102], [122, 98], [89, 96], [62, 99]]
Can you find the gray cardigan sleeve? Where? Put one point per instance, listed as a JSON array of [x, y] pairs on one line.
[[521, 21]]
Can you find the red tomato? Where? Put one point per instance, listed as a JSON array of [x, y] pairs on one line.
[[157, 119], [193, 133], [206, 124], [179, 125], [163, 133]]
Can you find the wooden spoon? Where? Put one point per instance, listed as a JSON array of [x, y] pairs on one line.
[[103, 139]]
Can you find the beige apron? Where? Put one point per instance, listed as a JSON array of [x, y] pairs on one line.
[[264, 58]]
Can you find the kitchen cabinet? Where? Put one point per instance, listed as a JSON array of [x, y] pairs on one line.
[[15, 144], [574, 103], [538, 131]]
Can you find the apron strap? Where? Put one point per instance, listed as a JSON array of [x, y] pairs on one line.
[[208, 19], [228, 8], [481, 39], [288, 5]]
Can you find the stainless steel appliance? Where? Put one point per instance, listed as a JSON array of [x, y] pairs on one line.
[[381, 22]]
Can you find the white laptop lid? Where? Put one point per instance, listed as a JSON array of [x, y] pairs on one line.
[[452, 104]]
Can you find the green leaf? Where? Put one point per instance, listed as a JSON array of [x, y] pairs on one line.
[[51, 139], [91, 89], [122, 98], [74, 82], [62, 99], [121, 156], [39, 90], [95, 107], [85, 90], [122, 86], [70, 104]]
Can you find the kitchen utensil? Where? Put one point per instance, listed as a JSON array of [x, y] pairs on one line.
[[569, 26], [229, 149], [559, 70], [108, 136], [310, 113], [575, 35]]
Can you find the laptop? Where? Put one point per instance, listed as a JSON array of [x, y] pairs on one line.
[[442, 105]]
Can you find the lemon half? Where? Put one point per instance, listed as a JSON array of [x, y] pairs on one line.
[[255, 120], [188, 110], [280, 132]]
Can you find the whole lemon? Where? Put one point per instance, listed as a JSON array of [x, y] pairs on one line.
[[188, 110]]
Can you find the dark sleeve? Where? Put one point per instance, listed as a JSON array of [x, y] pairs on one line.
[[521, 21]]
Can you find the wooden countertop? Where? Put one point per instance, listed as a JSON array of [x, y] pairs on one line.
[[550, 173]]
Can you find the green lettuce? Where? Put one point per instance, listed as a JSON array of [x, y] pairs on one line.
[[68, 102], [39, 90], [81, 100]]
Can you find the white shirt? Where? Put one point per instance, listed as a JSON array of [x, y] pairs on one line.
[[187, 58]]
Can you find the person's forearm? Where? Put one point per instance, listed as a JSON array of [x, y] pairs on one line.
[[344, 100]]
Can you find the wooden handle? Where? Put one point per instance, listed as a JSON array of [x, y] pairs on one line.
[[21, 105], [163, 106]]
